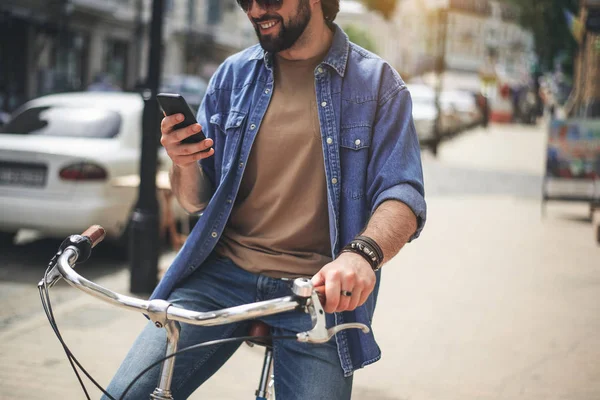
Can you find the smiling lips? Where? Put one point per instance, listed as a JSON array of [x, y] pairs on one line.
[[267, 25]]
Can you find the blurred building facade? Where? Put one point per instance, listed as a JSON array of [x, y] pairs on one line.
[[478, 33], [479, 42], [49, 46], [200, 34]]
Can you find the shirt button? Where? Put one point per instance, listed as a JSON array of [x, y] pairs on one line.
[[229, 201], [334, 181], [357, 142], [241, 165], [252, 127], [267, 91], [214, 234], [324, 104], [320, 70], [329, 140]]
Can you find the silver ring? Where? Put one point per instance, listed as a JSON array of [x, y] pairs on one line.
[[346, 293]]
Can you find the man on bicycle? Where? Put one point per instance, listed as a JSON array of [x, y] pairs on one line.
[[313, 170]]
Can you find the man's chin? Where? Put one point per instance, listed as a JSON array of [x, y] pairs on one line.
[[270, 44]]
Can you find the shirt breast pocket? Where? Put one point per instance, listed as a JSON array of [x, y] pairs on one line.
[[355, 142], [228, 131]]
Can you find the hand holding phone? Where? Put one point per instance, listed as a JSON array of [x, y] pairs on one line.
[[182, 137], [172, 103]]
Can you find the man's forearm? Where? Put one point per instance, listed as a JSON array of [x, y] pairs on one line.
[[392, 225], [191, 187]]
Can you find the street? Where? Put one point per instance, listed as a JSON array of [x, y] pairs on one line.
[[493, 301]]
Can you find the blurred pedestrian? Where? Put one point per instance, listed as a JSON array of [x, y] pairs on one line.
[[312, 156]]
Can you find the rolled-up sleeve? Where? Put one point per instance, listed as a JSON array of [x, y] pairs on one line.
[[395, 171]]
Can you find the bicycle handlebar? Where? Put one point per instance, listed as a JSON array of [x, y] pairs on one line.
[[160, 311]]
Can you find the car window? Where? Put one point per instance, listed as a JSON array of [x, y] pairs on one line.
[[66, 121]]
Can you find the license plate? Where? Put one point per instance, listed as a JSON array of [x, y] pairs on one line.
[[17, 174]]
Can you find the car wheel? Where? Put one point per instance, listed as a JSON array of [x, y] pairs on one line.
[[7, 238], [434, 147]]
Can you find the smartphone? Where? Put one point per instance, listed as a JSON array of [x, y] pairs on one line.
[[172, 103]]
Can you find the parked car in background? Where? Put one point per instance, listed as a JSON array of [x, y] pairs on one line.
[[467, 112], [59, 157], [424, 111], [191, 87]]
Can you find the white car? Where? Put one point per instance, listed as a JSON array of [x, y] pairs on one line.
[[423, 110], [465, 106], [59, 158]]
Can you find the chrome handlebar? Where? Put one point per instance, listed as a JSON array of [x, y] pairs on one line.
[[161, 312]]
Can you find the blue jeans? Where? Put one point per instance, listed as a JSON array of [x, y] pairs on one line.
[[302, 371]]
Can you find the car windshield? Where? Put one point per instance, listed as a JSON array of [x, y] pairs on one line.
[[85, 122]]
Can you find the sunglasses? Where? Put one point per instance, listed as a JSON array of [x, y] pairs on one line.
[[266, 4]]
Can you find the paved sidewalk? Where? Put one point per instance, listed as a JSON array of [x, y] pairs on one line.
[[491, 303]]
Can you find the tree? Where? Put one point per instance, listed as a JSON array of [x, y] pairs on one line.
[[547, 21], [360, 37], [384, 7]]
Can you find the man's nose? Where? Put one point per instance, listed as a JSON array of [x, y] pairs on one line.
[[254, 6]]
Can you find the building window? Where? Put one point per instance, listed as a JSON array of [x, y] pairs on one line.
[[214, 12], [168, 6], [115, 61]]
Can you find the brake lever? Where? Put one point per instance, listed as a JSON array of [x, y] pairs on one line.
[[82, 244], [53, 275], [319, 333]]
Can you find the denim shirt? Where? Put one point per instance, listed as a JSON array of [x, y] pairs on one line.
[[370, 148]]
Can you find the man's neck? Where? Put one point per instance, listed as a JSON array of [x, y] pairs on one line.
[[315, 40]]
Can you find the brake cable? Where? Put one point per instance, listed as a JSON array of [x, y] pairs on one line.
[[197, 346]]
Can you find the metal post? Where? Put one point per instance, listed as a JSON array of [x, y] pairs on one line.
[[139, 36], [144, 235], [440, 68]]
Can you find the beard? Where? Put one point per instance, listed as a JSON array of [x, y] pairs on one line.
[[288, 34]]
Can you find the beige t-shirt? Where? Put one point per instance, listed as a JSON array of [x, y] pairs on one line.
[[279, 224]]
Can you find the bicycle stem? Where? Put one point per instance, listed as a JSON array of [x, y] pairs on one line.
[[163, 390]]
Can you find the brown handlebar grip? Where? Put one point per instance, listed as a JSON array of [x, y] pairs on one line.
[[95, 233]]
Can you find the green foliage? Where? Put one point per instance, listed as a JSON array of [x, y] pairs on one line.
[[384, 7], [360, 37], [553, 39]]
